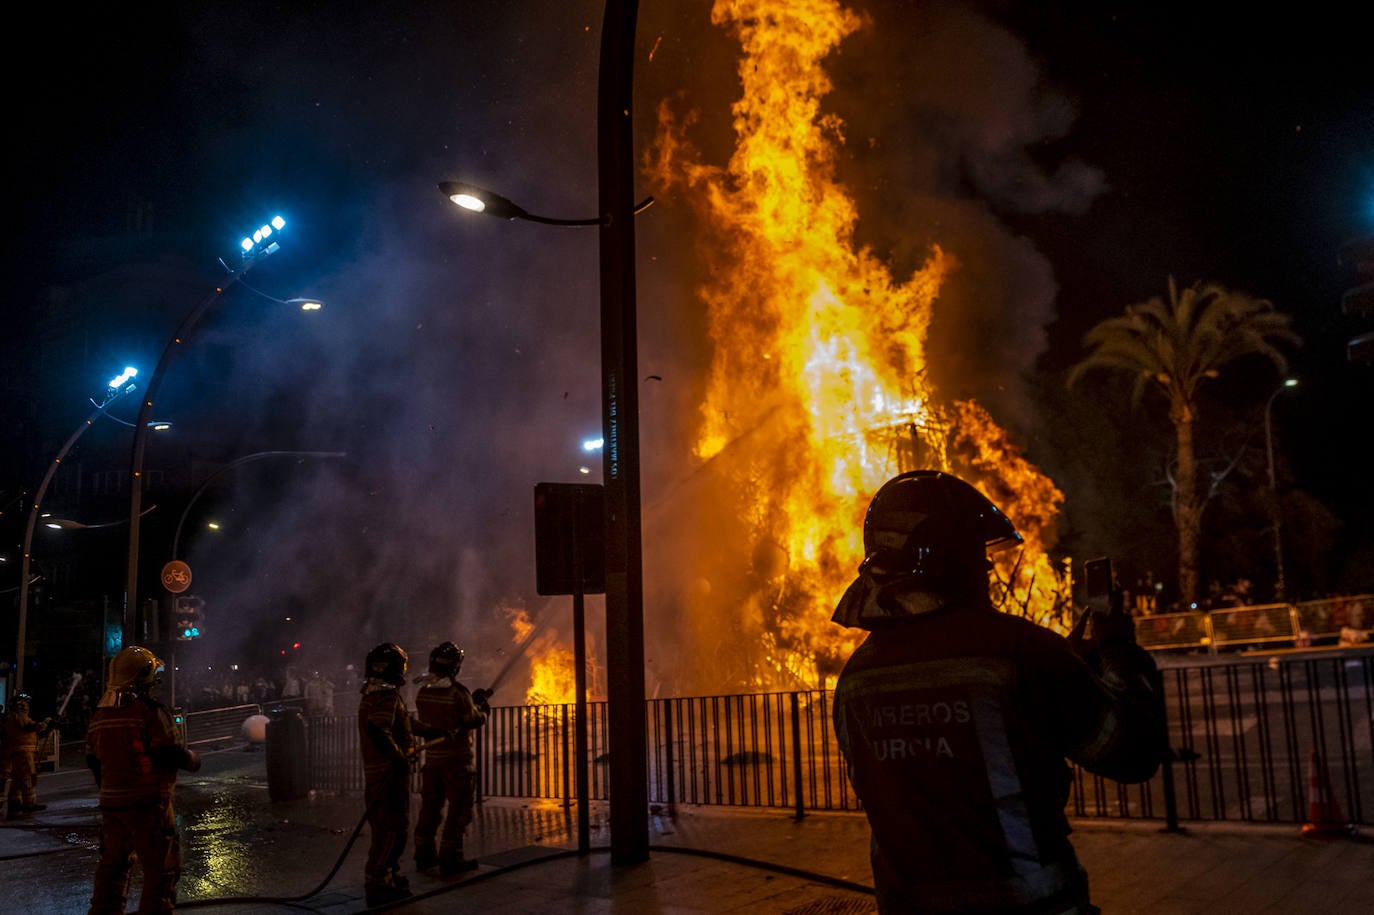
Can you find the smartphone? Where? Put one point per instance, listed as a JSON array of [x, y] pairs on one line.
[[1099, 577]]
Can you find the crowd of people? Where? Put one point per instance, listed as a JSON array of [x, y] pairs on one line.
[[315, 690]]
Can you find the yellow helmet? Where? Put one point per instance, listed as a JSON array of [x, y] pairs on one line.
[[135, 667]]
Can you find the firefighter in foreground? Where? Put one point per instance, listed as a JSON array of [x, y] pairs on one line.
[[448, 714], [387, 742], [134, 750], [20, 748], [956, 719]]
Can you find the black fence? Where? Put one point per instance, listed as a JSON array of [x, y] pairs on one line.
[[1251, 741]]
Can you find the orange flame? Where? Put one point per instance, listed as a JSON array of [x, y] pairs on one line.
[[819, 352], [552, 666]]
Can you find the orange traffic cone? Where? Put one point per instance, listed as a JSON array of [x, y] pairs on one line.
[[1323, 811]]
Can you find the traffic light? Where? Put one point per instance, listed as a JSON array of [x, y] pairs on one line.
[[190, 617], [1359, 300]]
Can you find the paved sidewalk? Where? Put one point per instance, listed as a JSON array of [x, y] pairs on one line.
[[238, 844]]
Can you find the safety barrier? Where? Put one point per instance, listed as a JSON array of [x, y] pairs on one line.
[[1243, 735], [1298, 625]]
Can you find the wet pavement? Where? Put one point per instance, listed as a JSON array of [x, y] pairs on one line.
[[244, 853]]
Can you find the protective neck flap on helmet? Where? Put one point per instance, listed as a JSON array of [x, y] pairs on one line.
[[871, 603]]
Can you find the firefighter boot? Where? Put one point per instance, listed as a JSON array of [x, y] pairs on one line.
[[389, 889], [425, 857], [452, 863]]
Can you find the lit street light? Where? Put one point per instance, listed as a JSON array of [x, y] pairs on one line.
[[1274, 486], [480, 200], [116, 388], [629, 790]]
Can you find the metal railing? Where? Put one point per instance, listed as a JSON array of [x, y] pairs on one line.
[[1248, 737]]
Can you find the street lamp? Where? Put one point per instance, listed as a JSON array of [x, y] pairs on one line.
[[260, 244], [71, 524], [258, 456], [629, 786], [116, 388], [1274, 486], [480, 200]]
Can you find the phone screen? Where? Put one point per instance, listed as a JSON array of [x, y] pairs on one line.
[[1099, 575]]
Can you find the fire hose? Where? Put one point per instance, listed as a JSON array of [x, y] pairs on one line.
[[411, 758]]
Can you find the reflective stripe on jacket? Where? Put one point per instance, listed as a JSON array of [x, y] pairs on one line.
[[955, 726], [450, 708], [122, 738], [383, 730]]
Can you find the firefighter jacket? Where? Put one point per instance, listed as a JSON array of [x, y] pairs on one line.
[[134, 750], [383, 730], [451, 710], [955, 725], [22, 732]]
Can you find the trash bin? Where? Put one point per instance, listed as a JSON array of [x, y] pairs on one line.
[[288, 759]]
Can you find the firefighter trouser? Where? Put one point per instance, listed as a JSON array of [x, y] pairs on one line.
[[24, 772], [388, 819], [444, 783], [148, 833]]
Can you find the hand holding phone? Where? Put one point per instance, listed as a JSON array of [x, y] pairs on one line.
[[1109, 620], [1100, 584]]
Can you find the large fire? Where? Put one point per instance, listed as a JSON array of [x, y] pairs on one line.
[[817, 391]]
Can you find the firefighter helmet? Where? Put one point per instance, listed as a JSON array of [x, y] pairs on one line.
[[445, 660], [388, 662], [134, 668], [926, 535], [920, 511], [23, 699]]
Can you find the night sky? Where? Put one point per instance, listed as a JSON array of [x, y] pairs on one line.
[[1089, 150]]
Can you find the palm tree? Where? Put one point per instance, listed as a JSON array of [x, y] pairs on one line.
[[1175, 345]]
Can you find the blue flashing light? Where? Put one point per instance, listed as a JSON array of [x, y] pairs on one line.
[[123, 377], [278, 223], [246, 245], [593, 444]]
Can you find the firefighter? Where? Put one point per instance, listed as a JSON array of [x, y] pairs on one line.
[[22, 735], [134, 750], [956, 720], [387, 742], [448, 714]]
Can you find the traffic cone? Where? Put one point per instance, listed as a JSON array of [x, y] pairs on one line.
[[1323, 811]]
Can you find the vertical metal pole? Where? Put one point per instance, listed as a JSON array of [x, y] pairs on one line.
[[1279, 583], [21, 642], [567, 762], [669, 757], [629, 790], [797, 754], [145, 412], [584, 830]]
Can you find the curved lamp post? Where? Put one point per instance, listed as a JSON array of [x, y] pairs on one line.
[[1279, 584], [257, 456], [117, 388], [254, 248], [629, 789]]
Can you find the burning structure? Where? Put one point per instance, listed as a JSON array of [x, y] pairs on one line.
[[817, 391]]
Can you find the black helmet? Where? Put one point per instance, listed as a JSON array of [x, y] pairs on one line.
[[930, 532], [24, 698], [387, 662], [445, 660]]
